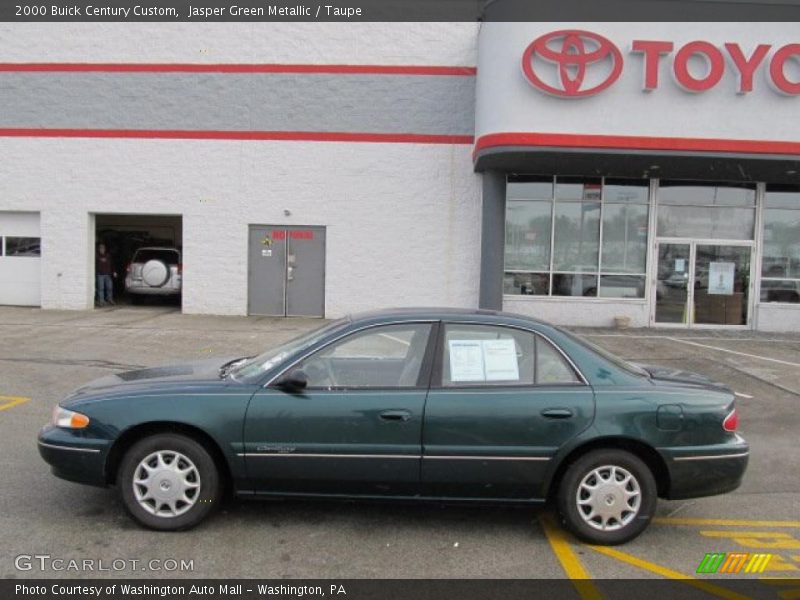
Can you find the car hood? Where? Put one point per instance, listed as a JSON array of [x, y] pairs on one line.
[[199, 372], [667, 375]]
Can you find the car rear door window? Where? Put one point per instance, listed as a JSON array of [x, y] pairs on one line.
[[489, 355], [551, 366]]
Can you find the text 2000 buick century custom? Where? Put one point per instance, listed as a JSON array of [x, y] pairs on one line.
[[427, 404]]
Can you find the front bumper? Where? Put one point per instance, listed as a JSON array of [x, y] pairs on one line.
[[705, 470], [73, 458]]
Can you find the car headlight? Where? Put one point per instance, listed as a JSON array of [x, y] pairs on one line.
[[69, 419]]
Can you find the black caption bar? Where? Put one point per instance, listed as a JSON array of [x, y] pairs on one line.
[[398, 10], [382, 589], [240, 10]]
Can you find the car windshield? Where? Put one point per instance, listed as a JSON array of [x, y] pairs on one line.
[[615, 360], [255, 367]]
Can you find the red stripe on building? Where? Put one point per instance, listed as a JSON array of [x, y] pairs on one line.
[[234, 68], [308, 136], [630, 142]]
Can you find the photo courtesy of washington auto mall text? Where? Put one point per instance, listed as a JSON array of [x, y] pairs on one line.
[[400, 299], [174, 590]]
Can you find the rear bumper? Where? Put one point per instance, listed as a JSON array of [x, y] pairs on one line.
[[705, 470], [72, 458], [145, 290]]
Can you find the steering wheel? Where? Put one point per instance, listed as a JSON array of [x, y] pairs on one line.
[[329, 372], [319, 373]]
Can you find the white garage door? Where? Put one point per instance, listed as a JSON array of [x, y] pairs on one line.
[[20, 259]]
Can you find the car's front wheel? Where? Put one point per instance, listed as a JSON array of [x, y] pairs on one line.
[[169, 482], [607, 497]]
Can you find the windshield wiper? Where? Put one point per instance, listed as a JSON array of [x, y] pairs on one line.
[[225, 369]]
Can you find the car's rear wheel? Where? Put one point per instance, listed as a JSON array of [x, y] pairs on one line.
[[169, 482], [607, 497]]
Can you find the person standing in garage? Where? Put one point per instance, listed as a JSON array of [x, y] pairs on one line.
[[104, 271]]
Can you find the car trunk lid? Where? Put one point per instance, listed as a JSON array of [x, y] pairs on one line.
[[668, 375]]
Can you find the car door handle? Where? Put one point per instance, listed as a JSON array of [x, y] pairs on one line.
[[557, 413], [395, 415]]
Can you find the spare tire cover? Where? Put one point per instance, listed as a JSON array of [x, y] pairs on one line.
[[155, 273]]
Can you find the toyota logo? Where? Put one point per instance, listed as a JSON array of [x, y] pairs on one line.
[[574, 53]]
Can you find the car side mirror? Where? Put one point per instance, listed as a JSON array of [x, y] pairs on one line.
[[294, 381]]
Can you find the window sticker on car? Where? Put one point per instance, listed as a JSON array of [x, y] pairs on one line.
[[483, 360], [500, 360], [466, 360]]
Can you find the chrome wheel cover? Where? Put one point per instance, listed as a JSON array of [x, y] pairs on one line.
[[166, 484], [608, 498]]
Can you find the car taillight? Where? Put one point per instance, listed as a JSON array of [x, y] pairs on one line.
[[128, 268], [731, 422], [180, 269]]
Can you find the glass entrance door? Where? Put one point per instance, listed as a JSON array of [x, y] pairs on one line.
[[721, 284], [701, 283], [672, 284]]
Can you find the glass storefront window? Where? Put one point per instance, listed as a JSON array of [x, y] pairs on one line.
[[622, 286], [718, 223], [625, 237], [619, 191], [700, 194], [577, 236], [530, 188], [780, 263], [695, 210], [587, 260], [528, 235], [578, 188], [574, 284], [526, 284]]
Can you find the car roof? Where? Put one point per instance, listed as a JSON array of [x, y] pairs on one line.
[[443, 313]]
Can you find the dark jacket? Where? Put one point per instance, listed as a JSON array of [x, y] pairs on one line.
[[102, 264]]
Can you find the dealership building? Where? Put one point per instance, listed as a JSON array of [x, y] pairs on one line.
[[584, 173]]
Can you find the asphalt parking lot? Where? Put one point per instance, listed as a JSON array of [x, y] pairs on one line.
[[46, 354]]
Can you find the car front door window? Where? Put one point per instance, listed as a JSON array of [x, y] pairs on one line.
[[389, 356]]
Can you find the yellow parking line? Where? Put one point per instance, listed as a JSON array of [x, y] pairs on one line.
[[569, 560], [669, 573], [7, 402], [731, 522]]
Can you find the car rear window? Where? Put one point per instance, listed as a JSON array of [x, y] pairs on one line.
[[170, 257]]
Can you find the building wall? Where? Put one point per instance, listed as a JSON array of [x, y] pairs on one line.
[[403, 219], [579, 312], [777, 317], [445, 44]]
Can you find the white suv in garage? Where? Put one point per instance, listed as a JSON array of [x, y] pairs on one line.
[[154, 271]]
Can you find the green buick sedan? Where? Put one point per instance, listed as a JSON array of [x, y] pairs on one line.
[[408, 404]]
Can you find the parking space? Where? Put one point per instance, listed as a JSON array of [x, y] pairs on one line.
[[44, 355]]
